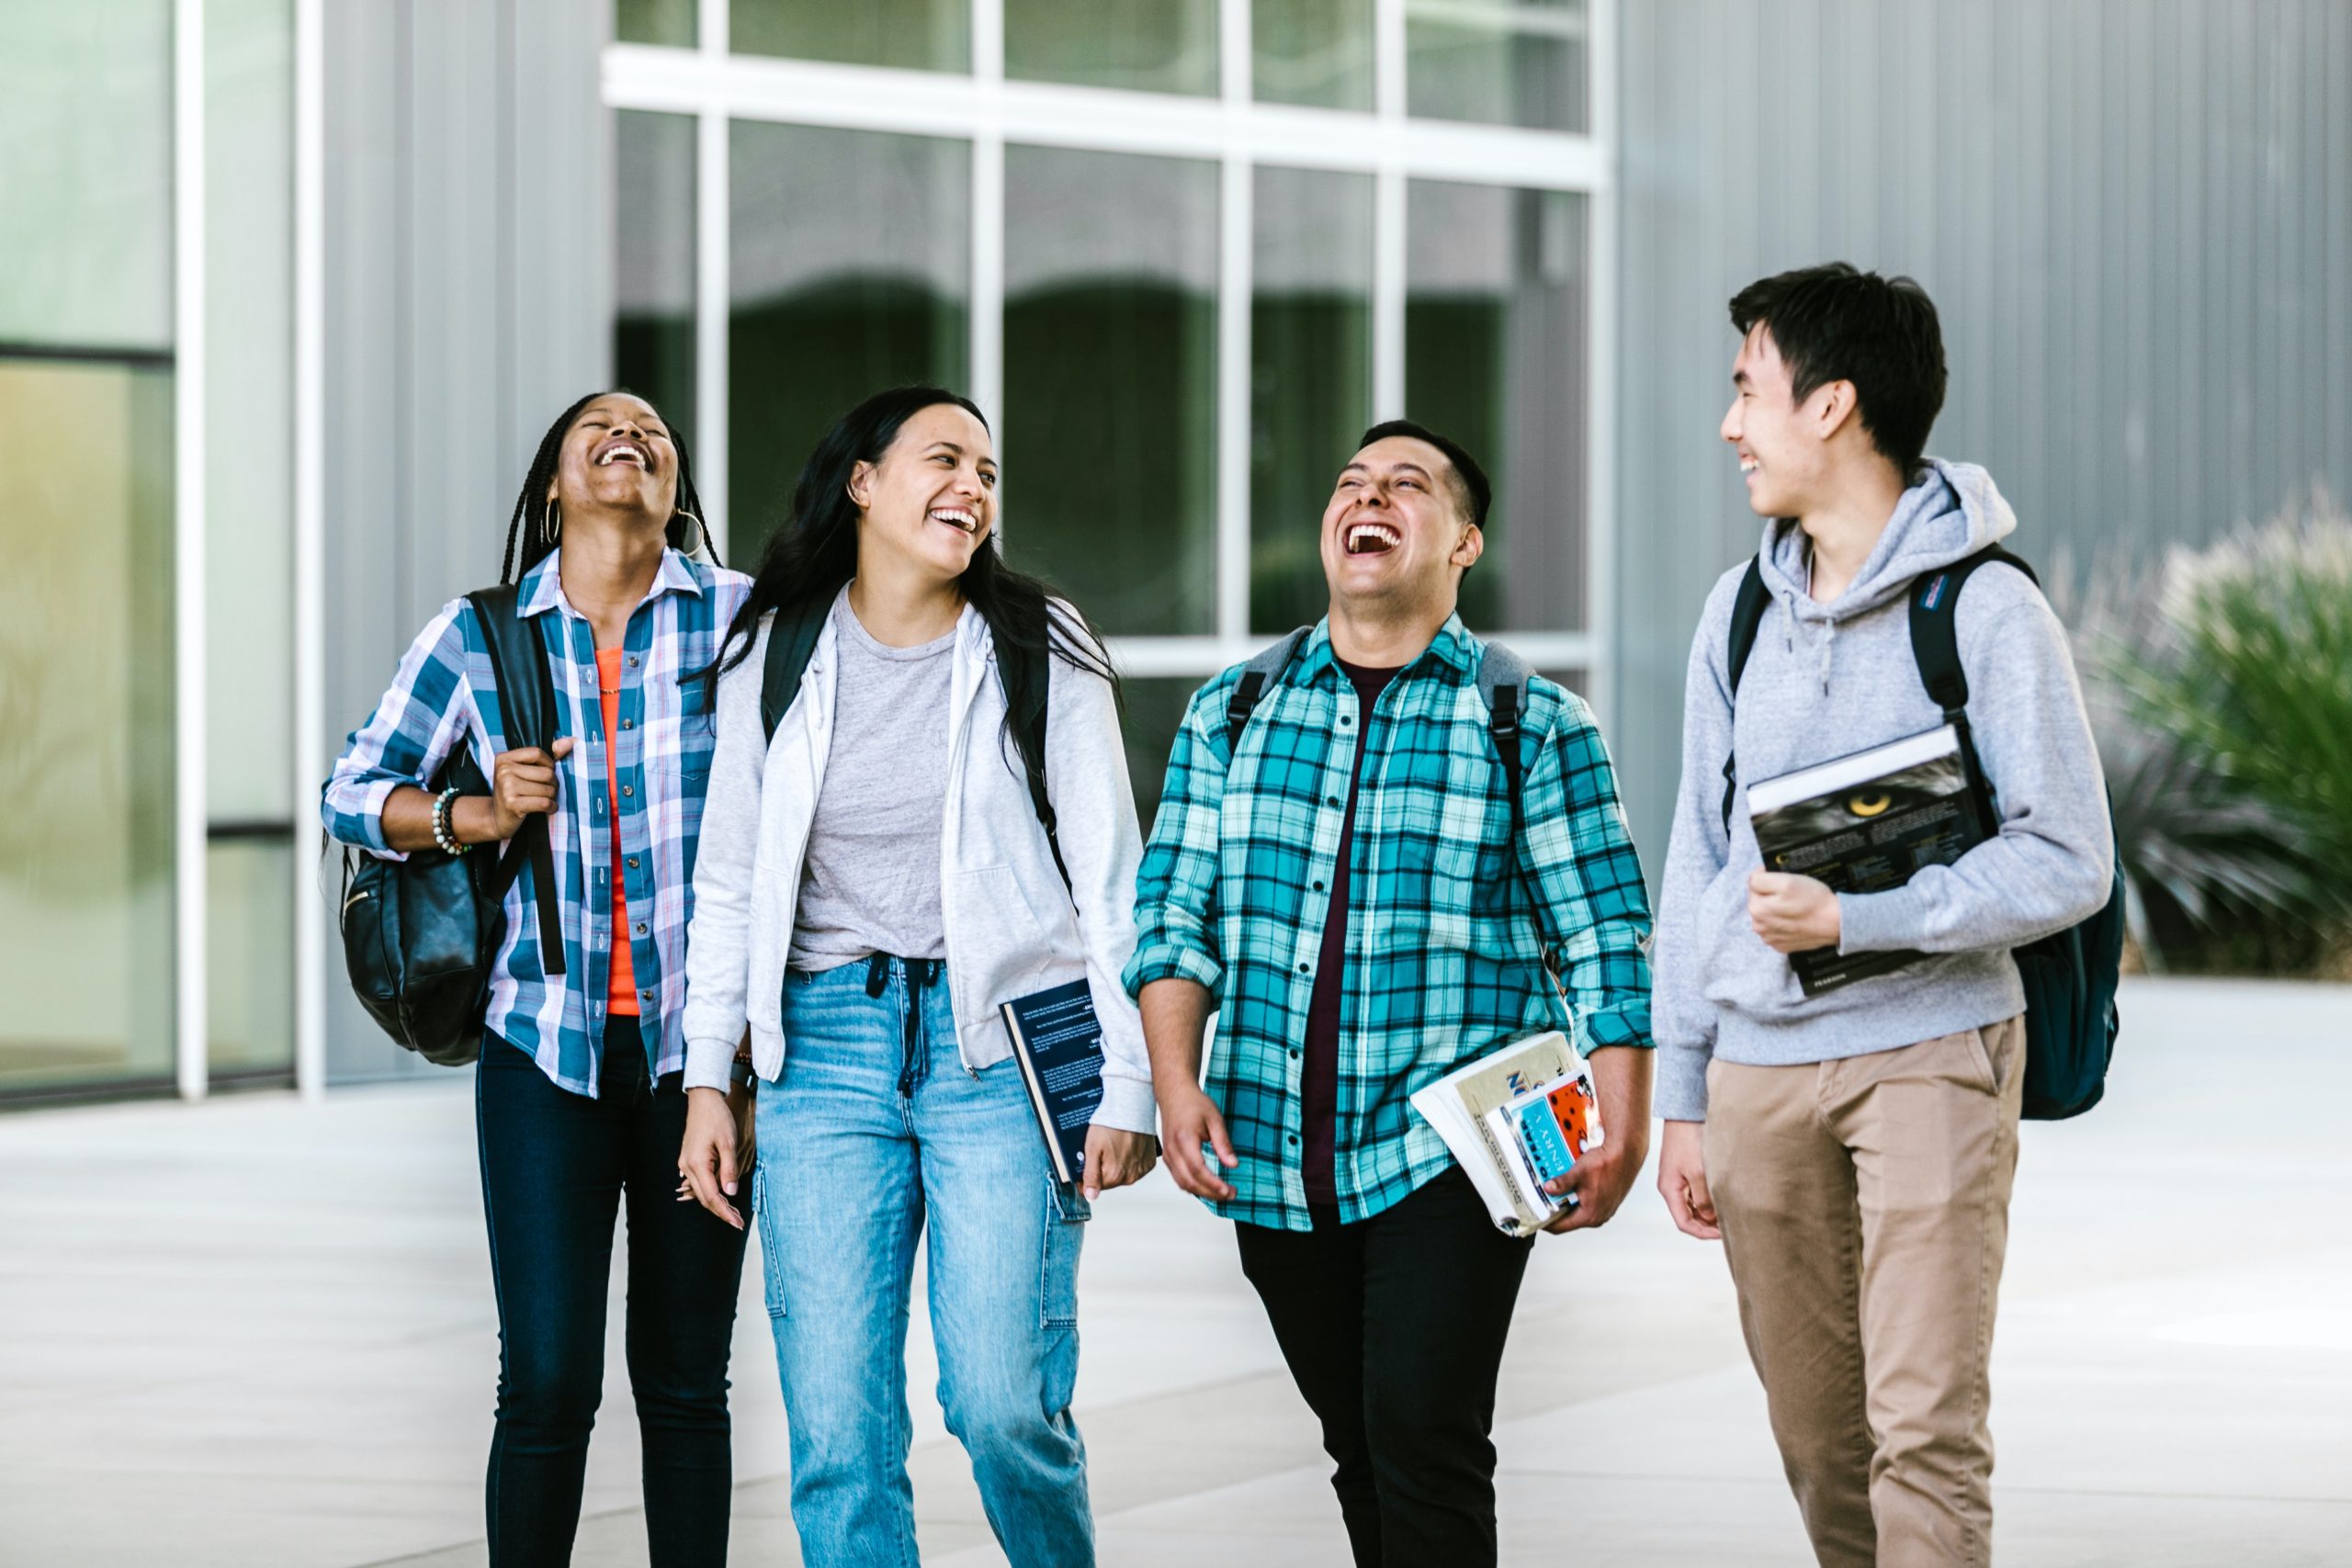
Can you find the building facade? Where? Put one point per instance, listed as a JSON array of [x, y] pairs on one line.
[[293, 287]]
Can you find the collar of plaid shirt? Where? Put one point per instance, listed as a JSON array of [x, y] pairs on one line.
[[1442, 962]]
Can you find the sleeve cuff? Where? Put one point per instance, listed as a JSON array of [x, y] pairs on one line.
[[1681, 1091], [1879, 922], [707, 1064], [1169, 962], [1127, 1105]]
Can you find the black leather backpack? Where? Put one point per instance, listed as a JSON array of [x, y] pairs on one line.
[[420, 935]]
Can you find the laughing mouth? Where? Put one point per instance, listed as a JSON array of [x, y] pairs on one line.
[[1746, 467], [622, 450], [957, 517], [1372, 538]]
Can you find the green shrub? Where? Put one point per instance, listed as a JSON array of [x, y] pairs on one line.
[[2224, 708]]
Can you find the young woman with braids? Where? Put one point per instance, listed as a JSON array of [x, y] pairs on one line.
[[577, 1101], [875, 882]]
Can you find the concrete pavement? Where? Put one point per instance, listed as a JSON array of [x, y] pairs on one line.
[[255, 1332]]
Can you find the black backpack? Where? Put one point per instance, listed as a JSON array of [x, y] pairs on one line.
[[420, 935], [2070, 978], [1503, 684], [1024, 675]]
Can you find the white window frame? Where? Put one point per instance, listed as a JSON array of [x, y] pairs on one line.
[[987, 111]]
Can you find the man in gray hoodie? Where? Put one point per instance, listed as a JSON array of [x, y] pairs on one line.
[[1854, 1150]]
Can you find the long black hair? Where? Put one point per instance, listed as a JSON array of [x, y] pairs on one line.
[[532, 505], [815, 552]]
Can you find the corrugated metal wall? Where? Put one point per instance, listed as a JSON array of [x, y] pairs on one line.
[[469, 300], [2135, 218]]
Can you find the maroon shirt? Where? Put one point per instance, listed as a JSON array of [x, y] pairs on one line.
[[1318, 1091]]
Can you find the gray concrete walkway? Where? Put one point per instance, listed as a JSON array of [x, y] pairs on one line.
[[257, 1332]]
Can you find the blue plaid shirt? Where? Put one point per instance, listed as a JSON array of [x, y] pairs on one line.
[[1442, 959], [444, 694]]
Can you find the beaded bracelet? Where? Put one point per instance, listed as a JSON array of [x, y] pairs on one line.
[[444, 833]]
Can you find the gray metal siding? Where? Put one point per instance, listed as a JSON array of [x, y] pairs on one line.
[[469, 300], [2135, 218]]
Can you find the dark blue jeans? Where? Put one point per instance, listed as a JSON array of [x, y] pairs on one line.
[[555, 1168]]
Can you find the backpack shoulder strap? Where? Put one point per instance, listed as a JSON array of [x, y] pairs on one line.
[[1264, 669], [1935, 625], [1027, 679], [1934, 648], [792, 641], [1746, 617], [518, 668], [1503, 676]]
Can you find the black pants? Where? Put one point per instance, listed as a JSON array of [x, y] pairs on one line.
[[555, 1167], [1394, 1330]]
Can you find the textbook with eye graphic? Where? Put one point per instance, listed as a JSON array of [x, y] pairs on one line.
[[1865, 823]]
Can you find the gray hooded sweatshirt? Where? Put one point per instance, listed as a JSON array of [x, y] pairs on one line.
[[1826, 680]]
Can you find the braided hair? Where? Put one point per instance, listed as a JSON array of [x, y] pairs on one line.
[[532, 505]]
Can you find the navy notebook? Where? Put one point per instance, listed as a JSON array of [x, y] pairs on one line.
[[1059, 1043]]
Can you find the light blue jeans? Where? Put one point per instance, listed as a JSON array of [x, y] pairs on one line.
[[875, 1133]]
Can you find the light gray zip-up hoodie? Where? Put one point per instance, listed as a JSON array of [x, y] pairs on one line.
[[1826, 680]]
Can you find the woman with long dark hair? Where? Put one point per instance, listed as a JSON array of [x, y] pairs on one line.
[[578, 1099], [877, 880]]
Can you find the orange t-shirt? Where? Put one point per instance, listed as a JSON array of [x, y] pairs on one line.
[[620, 990]]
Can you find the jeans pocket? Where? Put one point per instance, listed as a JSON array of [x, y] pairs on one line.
[[1067, 1212]]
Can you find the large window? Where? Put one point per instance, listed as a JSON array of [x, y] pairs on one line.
[[147, 867], [1181, 252]]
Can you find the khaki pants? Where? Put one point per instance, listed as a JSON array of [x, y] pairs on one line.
[[1865, 1210]]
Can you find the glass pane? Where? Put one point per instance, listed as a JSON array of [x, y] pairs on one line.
[[249, 393], [1110, 383], [1310, 376], [86, 723], [249, 969], [672, 22], [86, 205], [1497, 62], [1495, 335], [1153, 708], [654, 326], [1153, 46], [1312, 51], [851, 264], [934, 35]]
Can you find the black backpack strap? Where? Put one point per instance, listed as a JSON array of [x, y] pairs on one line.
[[792, 641], [1263, 670], [1747, 615], [518, 670], [1502, 686], [1027, 680], [1934, 648]]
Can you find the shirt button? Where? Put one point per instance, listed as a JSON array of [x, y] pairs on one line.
[[1293, 1056], [645, 996], [631, 789], [1333, 801], [1345, 721], [640, 927], [632, 862], [1302, 968], [632, 660], [1294, 1138], [1319, 886], [628, 724]]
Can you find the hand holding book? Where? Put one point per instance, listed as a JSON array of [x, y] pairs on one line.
[[1793, 913]]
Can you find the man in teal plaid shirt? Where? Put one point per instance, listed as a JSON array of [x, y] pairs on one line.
[[1341, 886]]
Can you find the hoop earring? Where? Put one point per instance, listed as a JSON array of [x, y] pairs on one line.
[[551, 522], [702, 534]]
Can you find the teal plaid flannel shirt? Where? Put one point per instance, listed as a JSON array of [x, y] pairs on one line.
[[1443, 960]]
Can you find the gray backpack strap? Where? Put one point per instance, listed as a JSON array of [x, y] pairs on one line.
[[1502, 686], [1263, 670]]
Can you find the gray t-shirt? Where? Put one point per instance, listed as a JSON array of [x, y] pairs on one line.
[[870, 881]]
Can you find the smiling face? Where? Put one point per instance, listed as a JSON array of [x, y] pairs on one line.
[[618, 456], [1783, 455], [1396, 529], [932, 499]]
